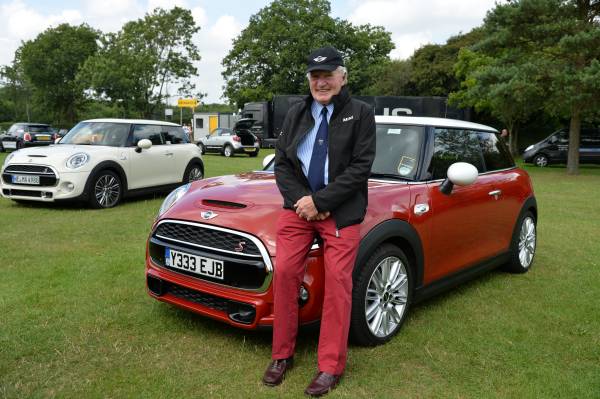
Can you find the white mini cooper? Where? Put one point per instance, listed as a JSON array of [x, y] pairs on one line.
[[103, 160]]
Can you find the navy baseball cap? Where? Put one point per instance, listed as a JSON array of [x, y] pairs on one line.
[[324, 59]]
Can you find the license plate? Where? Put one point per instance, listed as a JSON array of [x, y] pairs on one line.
[[9, 144], [43, 138], [25, 179], [249, 149], [194, 264]]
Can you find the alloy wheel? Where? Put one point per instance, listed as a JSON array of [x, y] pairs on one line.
[[527, 242], [386, 297], [195, 174], [107, 191]]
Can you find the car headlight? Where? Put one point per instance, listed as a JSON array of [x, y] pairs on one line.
[[77, 160], [7, 159], [173, 197], [529, 148]]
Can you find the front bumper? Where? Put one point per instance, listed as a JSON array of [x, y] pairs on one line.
[[68, 186], [240, 308]]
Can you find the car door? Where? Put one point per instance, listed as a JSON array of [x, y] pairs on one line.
[[212, 141], [151, 167], [460, 230], [177, 141], [589, 150]]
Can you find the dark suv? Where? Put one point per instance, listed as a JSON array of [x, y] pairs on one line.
[[22, 135], [446, 202], [555, 148]]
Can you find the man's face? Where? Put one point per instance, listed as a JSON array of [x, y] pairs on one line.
[[325, 84]]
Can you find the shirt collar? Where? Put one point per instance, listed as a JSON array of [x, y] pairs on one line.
[[317, 108]]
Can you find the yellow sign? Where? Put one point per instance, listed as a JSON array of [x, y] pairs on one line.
[[187, 102]]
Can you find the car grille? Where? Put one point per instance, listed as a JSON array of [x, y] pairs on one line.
[[247, 270], [210, 301], [47, 176], [206, 238]]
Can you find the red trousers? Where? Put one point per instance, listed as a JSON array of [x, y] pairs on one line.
[[294, 239]]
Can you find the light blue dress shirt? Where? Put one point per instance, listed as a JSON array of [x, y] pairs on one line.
[[305, 148]]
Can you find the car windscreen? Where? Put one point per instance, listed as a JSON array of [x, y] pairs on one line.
[[397, 151], [98, 133]]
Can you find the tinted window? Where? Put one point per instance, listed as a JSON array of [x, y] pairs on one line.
[[199, 123], [16, 127], [397, 150], [150, 132], [590, 137], [454, 145], [39, 129], [174, 135], [98, 133], [495, 153]]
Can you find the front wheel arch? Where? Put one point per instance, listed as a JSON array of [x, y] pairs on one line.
[[112, 166], [190, 165]]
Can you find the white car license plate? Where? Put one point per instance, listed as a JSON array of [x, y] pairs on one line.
[[194, 264], [9, 144], [249, 149], [25, 179]]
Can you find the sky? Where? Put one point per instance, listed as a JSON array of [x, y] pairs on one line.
[[412, 24]]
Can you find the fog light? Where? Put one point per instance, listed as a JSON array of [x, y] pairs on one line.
[[70, 186], [302, 296]]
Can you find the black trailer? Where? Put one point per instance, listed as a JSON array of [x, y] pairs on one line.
[[270, 114]]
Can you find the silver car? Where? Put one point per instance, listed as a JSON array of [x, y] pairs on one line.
[[229, 141]]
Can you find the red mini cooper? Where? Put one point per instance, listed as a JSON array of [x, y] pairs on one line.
[[446, 202]]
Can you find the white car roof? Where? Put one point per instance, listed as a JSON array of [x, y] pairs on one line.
[[428, 121], [117, 120]]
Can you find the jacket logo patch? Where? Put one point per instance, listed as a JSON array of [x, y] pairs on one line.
[[348, 118]]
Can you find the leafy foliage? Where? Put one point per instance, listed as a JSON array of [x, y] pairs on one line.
[[50, 64], [269, 56], [134, 65]]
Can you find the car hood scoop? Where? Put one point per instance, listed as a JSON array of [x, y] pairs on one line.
[[36, 156]]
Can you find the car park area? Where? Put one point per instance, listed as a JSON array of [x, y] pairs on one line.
[[74, 299]]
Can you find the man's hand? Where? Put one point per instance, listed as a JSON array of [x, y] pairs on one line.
[[320, 216], [305, 208]]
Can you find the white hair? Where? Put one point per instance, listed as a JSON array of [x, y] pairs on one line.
[[339, 69]]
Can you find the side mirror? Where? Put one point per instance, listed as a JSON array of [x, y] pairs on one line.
[[267, 160], [461, 174], [143, 144]]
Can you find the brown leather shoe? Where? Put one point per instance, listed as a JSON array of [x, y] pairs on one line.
[[322, 384], [276, 371]]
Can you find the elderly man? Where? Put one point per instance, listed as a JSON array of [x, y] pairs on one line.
[[323, 160]]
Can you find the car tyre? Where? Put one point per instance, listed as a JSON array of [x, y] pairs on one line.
[[523, 245], [193, 172], [253, 154], [228, 151], [381, 296], [202, 148], [540, 160], [20, 144], [105, 190]]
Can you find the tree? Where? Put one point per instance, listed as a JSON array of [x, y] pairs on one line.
[[537, 54], [133, 66], [51, 63], [269, 56]]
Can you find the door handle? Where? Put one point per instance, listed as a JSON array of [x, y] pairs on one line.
[[495, 193], [168, 153]]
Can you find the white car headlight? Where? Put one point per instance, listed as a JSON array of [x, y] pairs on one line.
[[8, 158], [173, 197], [529, 148], [77, 160]]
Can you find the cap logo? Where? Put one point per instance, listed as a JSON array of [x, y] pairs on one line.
[[320, 58]]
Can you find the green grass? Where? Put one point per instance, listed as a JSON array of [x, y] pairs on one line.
[[75, 320]]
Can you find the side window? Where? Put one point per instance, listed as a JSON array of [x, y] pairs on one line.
[[454, 145], [174, 135], [225, 132], [199, 123], [495, 153], [150, 132], [590, 138]]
